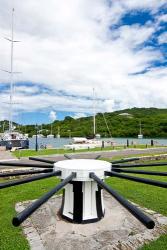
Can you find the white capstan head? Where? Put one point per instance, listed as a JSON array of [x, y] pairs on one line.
[[82, 168]]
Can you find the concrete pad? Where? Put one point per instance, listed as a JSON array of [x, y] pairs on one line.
[[46, 230], [6, 156]]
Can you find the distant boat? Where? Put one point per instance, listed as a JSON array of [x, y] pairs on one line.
[[91, 141], [94, 135], [83, 143], [140, 135], [58, 133], [14, 139], [97, 136], [38, 135], [50, 135], [78, 143]]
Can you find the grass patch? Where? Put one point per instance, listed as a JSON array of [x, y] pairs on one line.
[[159, 244], [12, 238], [153, 198], [142, 194], [32, 152]]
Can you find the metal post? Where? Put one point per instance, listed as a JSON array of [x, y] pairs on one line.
[[137, 179], [36, 138], [148, 222], [35, 205], [94, 117], [29, 179], [42, 160]]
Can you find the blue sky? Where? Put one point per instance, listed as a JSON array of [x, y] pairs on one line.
[[31, 117], [119, 48]]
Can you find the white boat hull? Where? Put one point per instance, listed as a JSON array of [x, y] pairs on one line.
[[140, 136]]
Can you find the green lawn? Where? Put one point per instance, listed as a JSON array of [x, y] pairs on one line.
[[159, 244], [31, 152], [12, 238]]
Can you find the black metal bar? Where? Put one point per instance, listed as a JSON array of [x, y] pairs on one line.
[[147, 221], [29, 179], [140, 165], [35, 205], [126, 160], [97, 157], [17, 173], [25, 165], [67, 156], [119, 170], [137, 179], [41, 160]]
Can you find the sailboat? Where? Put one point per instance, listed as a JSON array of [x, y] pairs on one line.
[[11, 138], [58, 133], [50, 135], [89, 142], [96, 136], [140, 135]]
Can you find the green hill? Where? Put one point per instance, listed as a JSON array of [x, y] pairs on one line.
[[123, 123]]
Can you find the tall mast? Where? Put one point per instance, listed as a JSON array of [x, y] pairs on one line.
[[11, 74], [51, 129], [140, 127], [94, 117]]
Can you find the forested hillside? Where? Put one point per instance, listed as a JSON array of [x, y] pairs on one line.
[[123, 123]]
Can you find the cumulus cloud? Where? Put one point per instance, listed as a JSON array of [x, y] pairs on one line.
[[79, 115], [134, 35], [162, 18], [52, 115], [69, 47], [162, 38], [108, 105], [152, 5]]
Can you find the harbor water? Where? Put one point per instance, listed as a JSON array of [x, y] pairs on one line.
[[60, 142]]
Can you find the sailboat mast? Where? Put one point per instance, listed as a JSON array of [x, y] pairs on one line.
[[11, 74], [94, 117], [140, 127], [51, 129]]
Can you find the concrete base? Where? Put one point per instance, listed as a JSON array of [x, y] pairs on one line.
[[46, 230]]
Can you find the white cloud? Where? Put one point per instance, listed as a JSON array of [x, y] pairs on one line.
[[162, 38], [147, 4], [162, 18], [68, 47], [79, 115], [108, 105], [52, 115], [2, 116], [134, 35]]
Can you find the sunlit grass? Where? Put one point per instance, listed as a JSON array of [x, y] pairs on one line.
[[32, 152]]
